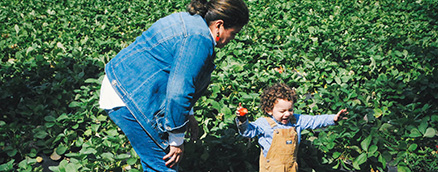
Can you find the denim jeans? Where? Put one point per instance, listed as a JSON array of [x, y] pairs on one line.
[[151, 155]]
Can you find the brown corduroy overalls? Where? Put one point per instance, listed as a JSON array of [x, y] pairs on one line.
[[282, 154]]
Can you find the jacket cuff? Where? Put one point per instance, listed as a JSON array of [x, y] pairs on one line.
[[176, 139]]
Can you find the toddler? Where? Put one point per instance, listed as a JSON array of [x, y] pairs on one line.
[[279, 133]]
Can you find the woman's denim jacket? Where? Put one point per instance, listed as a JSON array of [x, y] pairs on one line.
[[163, 73]]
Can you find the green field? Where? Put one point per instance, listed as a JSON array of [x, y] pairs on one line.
[[378, 59]]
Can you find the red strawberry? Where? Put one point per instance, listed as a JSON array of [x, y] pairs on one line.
[[243, 111]]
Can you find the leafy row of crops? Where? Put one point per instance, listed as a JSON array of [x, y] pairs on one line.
[[376, 58]]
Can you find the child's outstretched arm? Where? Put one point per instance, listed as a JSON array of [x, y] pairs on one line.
[[244, 127], [341, 115]]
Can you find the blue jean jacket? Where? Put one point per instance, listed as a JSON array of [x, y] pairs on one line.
[[163, 73]]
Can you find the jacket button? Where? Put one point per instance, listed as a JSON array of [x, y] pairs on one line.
[[114, 82]]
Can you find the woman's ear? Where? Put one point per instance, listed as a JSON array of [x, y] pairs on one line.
[[215, 26], [218, 23]]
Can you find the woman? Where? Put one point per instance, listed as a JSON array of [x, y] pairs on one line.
[[150, 86]]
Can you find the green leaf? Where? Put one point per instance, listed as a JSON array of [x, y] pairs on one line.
[[107, 156], [385, 128], [88, 132], [372, 150], [72, 167], [338, 80], [79, 141], [403, 168], [412, 147], [356, 148], [134, 154], [430, 132], [92, 81], [102, 117], [123, 156], [311, 29], [415, 133], [377, 112], [7, 166], [54, 169], [41, 134], [49, 124], [366, 143], [29, 49], [88, 151], [112, 132], [23, 164], [61, 149], [83, 41], [11, 152], [131, 161], [74, 155], [226, 111], [95, 128], [398, 53], [434, 118], [362, 158], [75, 104], [422, 127], [49, 118], [337, 164], [62, 117], [382, 160], [336, 154], [215, 105]]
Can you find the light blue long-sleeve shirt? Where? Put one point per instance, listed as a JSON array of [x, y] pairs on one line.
[[261, 128]]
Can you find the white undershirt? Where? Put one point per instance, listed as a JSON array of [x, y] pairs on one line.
[[108, 96]]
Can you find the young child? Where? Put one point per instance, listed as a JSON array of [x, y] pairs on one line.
[[279, 133]]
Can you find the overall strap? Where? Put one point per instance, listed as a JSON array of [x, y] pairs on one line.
[[271, 122]]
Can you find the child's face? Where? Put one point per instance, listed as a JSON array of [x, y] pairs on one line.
[[283, 110]]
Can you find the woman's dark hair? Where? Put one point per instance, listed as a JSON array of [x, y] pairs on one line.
[[232, 12], [271, 95]]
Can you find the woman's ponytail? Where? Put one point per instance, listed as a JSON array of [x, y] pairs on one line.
[[198, 7], [232, 12]]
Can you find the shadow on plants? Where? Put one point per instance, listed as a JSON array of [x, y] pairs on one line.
[[222, 150], [35, 93]]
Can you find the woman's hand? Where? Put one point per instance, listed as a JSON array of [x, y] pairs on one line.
[[193, 129], [341, 115], [174, 156]]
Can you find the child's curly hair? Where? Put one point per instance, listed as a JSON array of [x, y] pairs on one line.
[[277, 91]]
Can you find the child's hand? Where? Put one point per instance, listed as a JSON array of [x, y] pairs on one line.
[[241, 113], [341, 115]]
